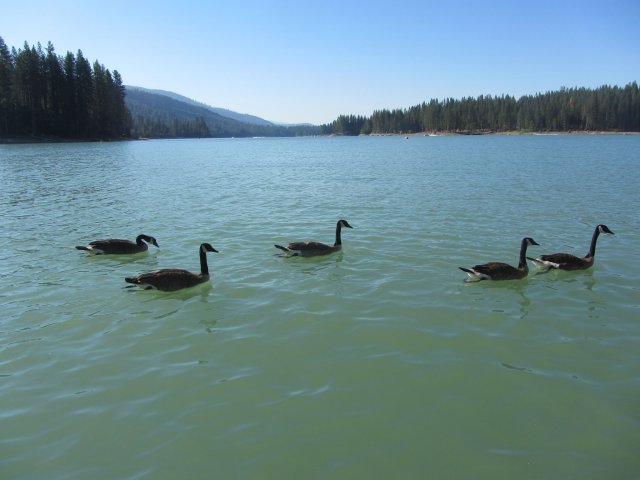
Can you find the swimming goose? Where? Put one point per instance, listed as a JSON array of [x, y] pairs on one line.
[[312, 249], [501, 271], [171, 279], [566, 261], [118, 246]]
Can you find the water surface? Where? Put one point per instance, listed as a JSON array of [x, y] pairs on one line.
[[376, 362]]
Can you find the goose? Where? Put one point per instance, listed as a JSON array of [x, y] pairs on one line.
[[171, 279], [312, 249], [501, 271], [567, 261], [118, 246]]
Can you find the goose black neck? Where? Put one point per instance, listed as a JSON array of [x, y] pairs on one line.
[[338, 237], [204, 268], [523, 255], [594, 239]]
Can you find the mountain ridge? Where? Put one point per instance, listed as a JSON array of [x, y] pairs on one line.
[[163, 114], [224, 112]]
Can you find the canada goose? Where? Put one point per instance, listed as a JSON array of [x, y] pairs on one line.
[[501, 271], [118, 246], [312, 249], [566, 261], [171, 279]]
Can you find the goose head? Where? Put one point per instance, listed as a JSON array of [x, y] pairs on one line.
[[344, 223], [208, 248], [530, 241], [604, 229], [147, 239]]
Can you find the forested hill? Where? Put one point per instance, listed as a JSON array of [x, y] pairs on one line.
[[169, 115], [610, 109], [156, 115], [240, 117]]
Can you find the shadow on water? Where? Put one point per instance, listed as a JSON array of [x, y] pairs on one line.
[[554, 280], [193, 303], [184, 294], [209, 325], [145, 258], [586, 277], [312, 265], [483, 290], [301, 274]]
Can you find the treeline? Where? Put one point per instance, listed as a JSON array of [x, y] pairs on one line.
[[575, 109], [45, 94], [154, 126], [149, 127]]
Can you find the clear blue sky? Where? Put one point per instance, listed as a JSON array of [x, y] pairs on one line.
[[310, 61]]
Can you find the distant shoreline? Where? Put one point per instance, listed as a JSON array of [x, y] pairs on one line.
[[26, 139], [18, 140], [510, 132]]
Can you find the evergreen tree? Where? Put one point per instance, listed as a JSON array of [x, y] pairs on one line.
[[84, 89], [121, 117], [7, 111], [54, 78], [27, 89], [68, 95]]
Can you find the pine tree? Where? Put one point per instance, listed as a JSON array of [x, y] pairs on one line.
[[54, 79], [69, 103], [7, 111], [84, 89]]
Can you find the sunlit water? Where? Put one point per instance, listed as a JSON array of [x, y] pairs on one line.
[[376, 362]]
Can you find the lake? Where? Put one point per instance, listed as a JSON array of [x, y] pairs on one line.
[[375, 362]]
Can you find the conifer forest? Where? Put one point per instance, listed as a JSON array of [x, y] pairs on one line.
[[45, 94], [606, 109]]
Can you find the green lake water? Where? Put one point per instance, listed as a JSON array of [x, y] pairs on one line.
[[376, 362]]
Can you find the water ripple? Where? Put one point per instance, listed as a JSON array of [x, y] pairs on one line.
[[303, 367]]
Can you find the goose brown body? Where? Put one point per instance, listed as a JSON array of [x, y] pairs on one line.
[[115, 246], [313, 249], [172, 279], [499, 270], [567, 261]]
